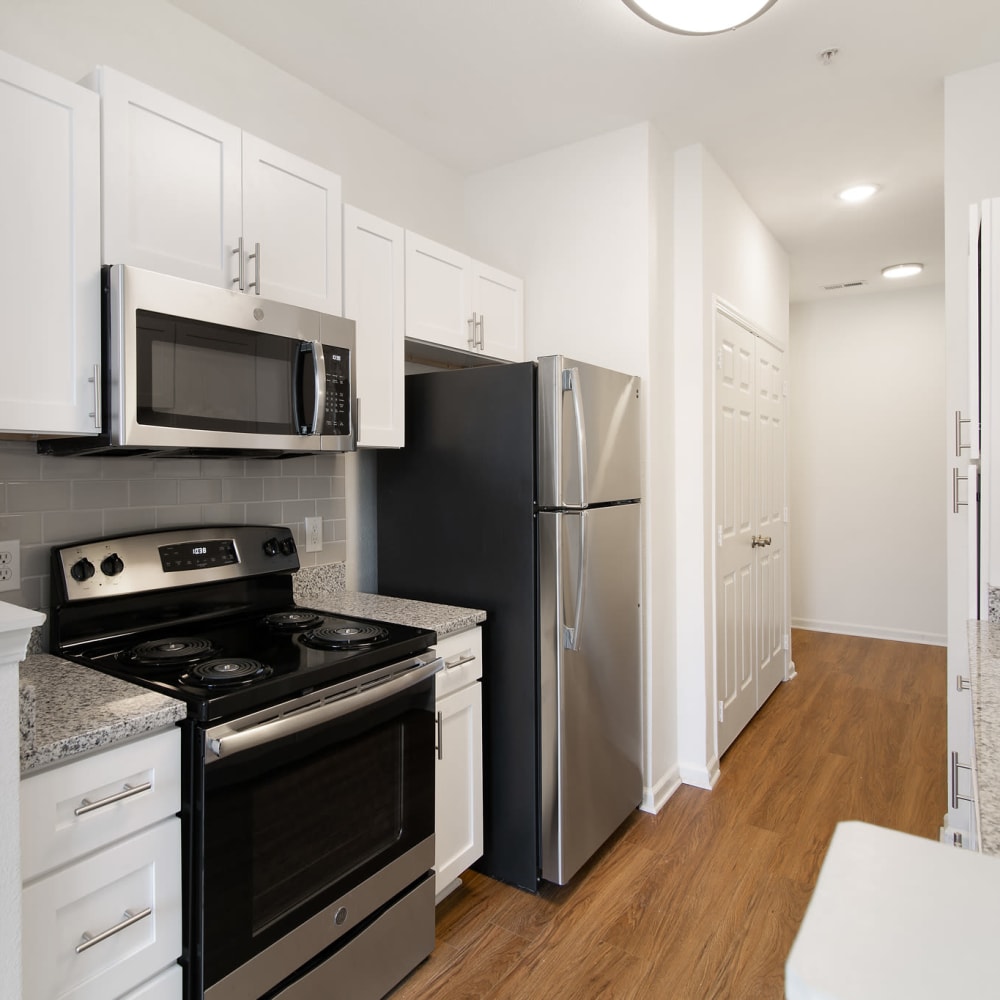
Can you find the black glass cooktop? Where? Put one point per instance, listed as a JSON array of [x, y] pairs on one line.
[[240, 663]]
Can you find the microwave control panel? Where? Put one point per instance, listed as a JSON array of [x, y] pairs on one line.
[[337, 416]]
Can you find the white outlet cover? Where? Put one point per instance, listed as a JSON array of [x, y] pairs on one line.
[[10, 565], [314, 534]]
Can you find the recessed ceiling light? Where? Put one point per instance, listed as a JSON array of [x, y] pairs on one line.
[[902, 270], [860, 192], [695, 17]]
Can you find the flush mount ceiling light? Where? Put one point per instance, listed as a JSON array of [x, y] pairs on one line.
[[860, 192], [902, 270], [699, 17]]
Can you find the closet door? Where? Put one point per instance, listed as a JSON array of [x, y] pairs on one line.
[[751, 564]]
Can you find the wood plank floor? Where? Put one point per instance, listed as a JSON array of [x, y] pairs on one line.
[[704, 899]]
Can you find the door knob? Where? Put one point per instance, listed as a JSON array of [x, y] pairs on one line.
[[759, 541]]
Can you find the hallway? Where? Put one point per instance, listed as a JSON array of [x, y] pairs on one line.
[[704, 899]]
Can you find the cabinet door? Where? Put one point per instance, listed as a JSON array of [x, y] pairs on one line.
[[171, 181], [373, 298], [438, 294], [291, 207], [498, 302], [50, 252], [458, 813]]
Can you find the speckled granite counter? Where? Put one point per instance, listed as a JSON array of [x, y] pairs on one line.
[[76, 710], [443, 618], [984, 667]]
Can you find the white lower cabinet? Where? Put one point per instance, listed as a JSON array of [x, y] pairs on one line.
[[458, 813], [102, 895]]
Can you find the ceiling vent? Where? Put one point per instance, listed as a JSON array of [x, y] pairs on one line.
[[844, 284]]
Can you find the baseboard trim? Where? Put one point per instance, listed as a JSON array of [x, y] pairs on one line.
[[701, 776], [655, 798], [868, 632]]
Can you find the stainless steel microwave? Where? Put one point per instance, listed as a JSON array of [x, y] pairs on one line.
[[189, 368]]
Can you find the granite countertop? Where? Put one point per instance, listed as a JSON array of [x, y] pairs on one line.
[[67, 709], [984, 667], [445, 619]]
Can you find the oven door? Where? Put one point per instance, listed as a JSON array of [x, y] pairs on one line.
[[311, 819]]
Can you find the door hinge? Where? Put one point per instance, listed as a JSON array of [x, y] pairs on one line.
[[784, 514], [719, 536], [786, 642], [718, 359], [722, 710], [784, 388]]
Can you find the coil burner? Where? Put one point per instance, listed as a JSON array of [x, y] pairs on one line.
[[292, 621], [173, 651], [226, 672], [345, 636]]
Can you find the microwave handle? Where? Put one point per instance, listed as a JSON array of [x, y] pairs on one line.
[[315, 349]]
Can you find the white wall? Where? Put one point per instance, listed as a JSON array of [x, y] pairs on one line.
[[167, 48], [867, 527], [588, 227], [721, 250]]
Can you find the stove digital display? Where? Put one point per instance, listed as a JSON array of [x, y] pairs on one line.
[[198, 555]]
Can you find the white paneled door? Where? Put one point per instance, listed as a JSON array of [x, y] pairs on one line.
[[751, 567]]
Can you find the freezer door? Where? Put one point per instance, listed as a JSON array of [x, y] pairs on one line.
[[588, 434], [590, 665]]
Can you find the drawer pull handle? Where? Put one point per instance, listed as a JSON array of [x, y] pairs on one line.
[[955, 797], [456, 661], [131, 917], [128, 791]]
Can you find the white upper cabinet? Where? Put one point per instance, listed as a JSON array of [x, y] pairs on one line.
[[188, 194], [373, 298], [291, 208], [50, 252], [455, 302]]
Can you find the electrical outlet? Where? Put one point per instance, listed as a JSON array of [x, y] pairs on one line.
[[10, 565], [314, 534]]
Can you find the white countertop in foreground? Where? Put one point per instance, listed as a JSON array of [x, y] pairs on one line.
[[895, 915]]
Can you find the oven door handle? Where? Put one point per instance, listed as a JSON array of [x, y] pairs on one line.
[[226, 741]]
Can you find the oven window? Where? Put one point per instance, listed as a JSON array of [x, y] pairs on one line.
[[328, 821], [289, 827], [204, 376]]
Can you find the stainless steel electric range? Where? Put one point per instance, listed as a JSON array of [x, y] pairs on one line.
[[308, 756]]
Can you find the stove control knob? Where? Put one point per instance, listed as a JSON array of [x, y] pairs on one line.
[[112, 565], [287, 546], [271, 547], [82, 570]]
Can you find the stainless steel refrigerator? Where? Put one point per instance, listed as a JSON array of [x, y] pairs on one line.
[[518, 491]]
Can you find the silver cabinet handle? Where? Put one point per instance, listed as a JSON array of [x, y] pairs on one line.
[[473, 327], [127, 792], [467, 656], [962, 683], [440, 735], [96, 379], [255, 257], [131, 917], [955, 797], [959, 420], [240, 280], [955, 480], [482, 334]]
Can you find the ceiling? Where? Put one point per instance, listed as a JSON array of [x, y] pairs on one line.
[[480, 83]]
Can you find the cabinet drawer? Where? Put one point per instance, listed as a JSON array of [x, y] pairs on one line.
[[463, 660], [168, 985], [55, 831], [91, 897]]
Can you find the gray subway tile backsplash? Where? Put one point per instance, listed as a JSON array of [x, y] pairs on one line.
[[48, 500]]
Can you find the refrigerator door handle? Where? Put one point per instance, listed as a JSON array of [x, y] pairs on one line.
[[571, 383], [571, 636]]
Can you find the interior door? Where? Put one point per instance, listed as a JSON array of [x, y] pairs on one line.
[[751, 564]]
